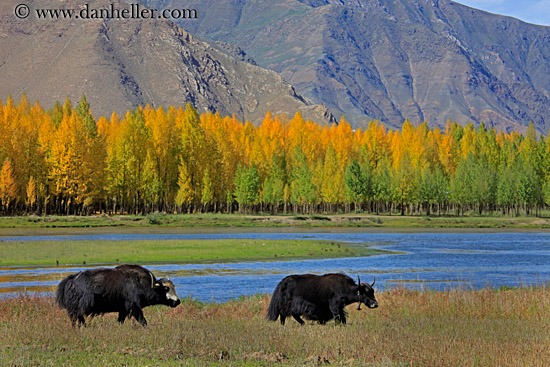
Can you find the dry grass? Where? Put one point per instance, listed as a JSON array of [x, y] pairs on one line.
[[410, 328]]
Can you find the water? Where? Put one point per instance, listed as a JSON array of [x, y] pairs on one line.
[[415, 260]]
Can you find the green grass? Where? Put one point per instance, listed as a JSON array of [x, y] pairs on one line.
[[410, 328], [9, 225], [173, 251]]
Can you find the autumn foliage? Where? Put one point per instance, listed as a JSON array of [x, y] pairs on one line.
[[64, 161]]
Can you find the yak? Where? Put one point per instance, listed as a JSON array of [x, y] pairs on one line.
[[125, 289], [318, 297]]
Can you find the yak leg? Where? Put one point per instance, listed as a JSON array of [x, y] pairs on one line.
[[338, 312], [77, 317], [282, 319], [122, 316], [81, 320], [298, 318], [137, 313], [342, 317]]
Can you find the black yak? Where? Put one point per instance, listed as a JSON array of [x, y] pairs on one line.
[[125, 289], [318, 297]]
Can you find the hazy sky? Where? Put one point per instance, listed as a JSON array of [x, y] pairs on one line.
[[531, 11]]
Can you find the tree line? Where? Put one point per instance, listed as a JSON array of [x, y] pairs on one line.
[[65, 161]]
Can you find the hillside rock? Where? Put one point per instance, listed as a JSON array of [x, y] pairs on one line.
[[120, 64], [422, 60]]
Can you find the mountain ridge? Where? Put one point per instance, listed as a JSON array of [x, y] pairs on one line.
[[120, 64], [422, 60]]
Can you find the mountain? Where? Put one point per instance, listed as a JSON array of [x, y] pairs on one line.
[[391, 60], [120, 64]]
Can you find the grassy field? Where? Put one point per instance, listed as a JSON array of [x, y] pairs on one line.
[[507, 327], [27, 224], [170, 251]]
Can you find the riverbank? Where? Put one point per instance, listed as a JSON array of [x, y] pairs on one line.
[[227, 222], [507, 327]]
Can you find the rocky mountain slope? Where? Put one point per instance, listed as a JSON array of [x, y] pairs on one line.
[[119, 64], [425, 60]]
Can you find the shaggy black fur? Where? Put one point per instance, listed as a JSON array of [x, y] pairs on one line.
[[125, 289], [318, 297]]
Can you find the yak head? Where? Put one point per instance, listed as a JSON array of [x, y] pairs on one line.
[[365, 293], [167, 292]]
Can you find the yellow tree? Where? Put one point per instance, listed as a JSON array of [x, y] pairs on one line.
[[195, 152], [398, 148], [376, 143], [92, 151], [185, 195], [468, 140], [433, 140], [295, 133], [417, 146], [126, 161], [63, 163], [31, 194], [449, 149], [8, 186], [341, 141], [406, 182], [22, 143], [267, 143], [163, 153]]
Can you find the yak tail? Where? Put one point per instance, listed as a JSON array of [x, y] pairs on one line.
[[61, 294], [68, 295], [274, 309]]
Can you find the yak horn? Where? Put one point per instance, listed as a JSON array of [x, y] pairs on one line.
[[374, 280], [358, 280], [152, 280]]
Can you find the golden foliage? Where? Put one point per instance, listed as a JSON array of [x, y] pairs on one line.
[[155, 159]]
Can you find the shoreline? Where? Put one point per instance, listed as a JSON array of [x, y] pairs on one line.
[[68, 231]]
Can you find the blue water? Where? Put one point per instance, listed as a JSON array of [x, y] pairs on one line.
[[416, 260]]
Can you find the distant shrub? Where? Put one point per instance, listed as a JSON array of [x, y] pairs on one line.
[[377, 220], [154, 219]]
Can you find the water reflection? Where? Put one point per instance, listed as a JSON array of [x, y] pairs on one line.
[[419, 260]]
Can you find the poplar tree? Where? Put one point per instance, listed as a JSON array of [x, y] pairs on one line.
[[247, 187]]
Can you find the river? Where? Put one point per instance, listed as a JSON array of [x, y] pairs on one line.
[[435, 261]]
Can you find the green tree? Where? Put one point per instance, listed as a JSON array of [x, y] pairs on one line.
[[508, 188], [358, 181], [303, 191], [84, 112], [462, 183], [433, 189], [383, 193], [529, 186], [247, 186], [274, 184], [406, 181], [484, 185]]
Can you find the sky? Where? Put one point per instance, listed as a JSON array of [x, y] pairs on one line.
[[531, 11]]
